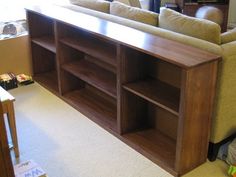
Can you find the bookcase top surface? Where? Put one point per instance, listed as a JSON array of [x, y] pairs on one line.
[[174, 52]]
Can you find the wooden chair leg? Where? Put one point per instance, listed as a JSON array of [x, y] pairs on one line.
[[12, 124]]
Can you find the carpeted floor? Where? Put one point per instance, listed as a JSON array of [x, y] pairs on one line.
[[67, 144]]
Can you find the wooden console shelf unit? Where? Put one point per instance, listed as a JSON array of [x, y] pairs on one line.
[[154, 94]]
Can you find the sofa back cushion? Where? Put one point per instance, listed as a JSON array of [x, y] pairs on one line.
[[98, 5], [198, 28], [133, 3], [228, 36], [133, 13]]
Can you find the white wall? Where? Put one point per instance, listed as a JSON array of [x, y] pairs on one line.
[[232, 13]]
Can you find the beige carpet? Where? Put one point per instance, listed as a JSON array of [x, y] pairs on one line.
[[67, 144]]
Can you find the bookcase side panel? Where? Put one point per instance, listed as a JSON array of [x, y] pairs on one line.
[[197, 93]]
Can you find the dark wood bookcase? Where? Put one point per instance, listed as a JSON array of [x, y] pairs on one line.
[[154, 94], [190, 7]]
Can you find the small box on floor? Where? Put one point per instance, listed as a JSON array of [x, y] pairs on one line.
[[29, 169], [23, 79], [8, 81]]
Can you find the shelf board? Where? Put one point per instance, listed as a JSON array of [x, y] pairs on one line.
[[94, 106], [154, 145], [156, 92], [48, 80], [46, 42], [101, 51], [93, 75]]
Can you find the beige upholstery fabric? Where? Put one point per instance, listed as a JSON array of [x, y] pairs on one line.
[[201, 44], [133, 3], [228, 36], [99, 5], [223, 122], [133, 13], [199, 28]]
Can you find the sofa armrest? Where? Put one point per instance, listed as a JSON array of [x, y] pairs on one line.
[[223, 123], [228, 36]]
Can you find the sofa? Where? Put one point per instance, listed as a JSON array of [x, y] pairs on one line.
[[200, 33]]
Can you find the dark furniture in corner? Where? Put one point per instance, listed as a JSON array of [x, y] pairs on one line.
[[154, 5], [190, 8]]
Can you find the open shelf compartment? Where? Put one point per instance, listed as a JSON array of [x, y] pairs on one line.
[[94, 75], [157, 92], [98, 106], [88, 69], [147, 128], [152, 79], [41, 30], [45, 67], [48, 80], [153, 144], [92, 45], [47, 42]]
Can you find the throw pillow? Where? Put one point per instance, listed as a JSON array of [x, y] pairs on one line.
[[134, 13], [228, 36], [98, 5], [198, 28]]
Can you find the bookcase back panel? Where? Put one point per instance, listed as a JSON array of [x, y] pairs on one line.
[[44, 60], [46, 27], [163, 121]]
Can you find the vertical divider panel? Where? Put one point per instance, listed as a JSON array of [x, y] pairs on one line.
[[130, 69], [64, 55], [56, 54], [119, 85]]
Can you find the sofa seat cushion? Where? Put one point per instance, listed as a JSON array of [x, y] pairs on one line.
[[98, 5], [228, 36], [133, 13], [198, 28]]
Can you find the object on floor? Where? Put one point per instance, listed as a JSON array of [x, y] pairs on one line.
[[8, 81], [231, 155], [232, 170], [8, 109], [29, 169], [223, 151], [23, 79]]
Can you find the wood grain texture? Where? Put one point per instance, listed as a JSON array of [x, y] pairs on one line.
[[155, 144], [48, 80], [6, 167], [171, 51], [97, 107], [158, 93], [152, 93], [39, 26], [43, 60], [198, 89], [163, 121], [46, 42], [102, 51], [94, 75]]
